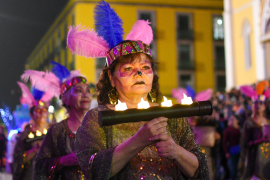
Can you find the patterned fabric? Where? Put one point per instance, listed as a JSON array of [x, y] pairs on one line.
[[91, 139], [58, 142], [127, 48], [22, 171]]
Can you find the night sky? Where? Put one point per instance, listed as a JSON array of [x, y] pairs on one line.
[[22, 25]]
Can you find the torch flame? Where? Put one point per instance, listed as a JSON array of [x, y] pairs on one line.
[[38, 133], [166, 103], [30, 135], [45, 131], [186, 100], [143, 104], [120, 106]]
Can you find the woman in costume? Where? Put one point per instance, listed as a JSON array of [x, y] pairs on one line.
[[24, 152], [56, 158], [158, 149], [252, 138]]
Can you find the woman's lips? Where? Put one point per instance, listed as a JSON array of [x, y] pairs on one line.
[[139, 83]]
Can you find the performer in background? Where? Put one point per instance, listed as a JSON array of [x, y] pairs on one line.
[[158, 149], [56, 158], [24, 152]]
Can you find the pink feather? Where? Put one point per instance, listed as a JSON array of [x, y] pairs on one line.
[[178, 94], [141, 31], [248, 91], [204, 95], [267, 93], [86, 42], [47, 96], [27, 97]]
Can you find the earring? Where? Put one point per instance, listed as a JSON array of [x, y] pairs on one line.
[[152, 95], [113, 96]]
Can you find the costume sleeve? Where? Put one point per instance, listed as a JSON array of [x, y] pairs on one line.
[[183, 136], [90, 139], [19, 154], [225, 139], [46, 160]]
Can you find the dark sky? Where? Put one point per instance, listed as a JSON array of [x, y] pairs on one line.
[[22, 25]]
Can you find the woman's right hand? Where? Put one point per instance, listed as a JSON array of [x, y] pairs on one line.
[[155, 127], [69, 160]]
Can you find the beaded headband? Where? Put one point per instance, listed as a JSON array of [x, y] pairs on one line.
[[127, 48], [72, 82]]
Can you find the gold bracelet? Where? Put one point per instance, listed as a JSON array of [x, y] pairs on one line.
[[91, 161]]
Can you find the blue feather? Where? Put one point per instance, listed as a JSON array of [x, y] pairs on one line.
[[37, 94], [108, 24], [190, 92], [60, 71]]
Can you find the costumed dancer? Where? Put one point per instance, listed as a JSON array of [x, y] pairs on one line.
[[158, 149], [254, 144], [56, 158], [24, 152]]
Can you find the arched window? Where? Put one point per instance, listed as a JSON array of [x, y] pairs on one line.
[[246, 36]]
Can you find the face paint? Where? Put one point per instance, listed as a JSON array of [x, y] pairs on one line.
[[77, 90], [130, 69]]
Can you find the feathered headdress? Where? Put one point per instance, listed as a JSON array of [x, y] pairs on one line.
[[108, 40], [56, 82], [35, 98], [200, 96], [258, 92]]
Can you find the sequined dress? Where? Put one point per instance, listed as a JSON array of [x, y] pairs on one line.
[[91, 139], [22, 171], [58, 142]]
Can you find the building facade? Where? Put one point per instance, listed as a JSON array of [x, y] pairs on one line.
[[188, 40], [247, 40]]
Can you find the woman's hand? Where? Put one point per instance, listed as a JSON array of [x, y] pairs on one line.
[[69, 160], [154, 128], [166, 146]]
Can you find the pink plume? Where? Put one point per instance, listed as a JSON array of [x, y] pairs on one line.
[[204, 95], [267, 93], [141, 31], [178, 94], [47, 96], [75, 73], [53, 84], [27, 97], [86, 42], [248, 91]]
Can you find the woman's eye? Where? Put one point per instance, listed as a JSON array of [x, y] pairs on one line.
[[88, 90], [128, 69], [146, 67], [78, 91]]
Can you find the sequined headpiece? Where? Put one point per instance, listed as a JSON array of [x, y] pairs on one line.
[[108, 41], [72, 82]]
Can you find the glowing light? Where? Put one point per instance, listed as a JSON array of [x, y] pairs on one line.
[[143, 104], [166, 103], [219, 21], [186, 100], [38, 133], [31, 135], [120, 106], [51, 109], [45, 131], [11, 133]]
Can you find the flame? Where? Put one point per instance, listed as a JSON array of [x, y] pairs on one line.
[[31, 135], [186, 100], [143, 104], [120, 106], [166, 103], [38, 133], [45, 131]]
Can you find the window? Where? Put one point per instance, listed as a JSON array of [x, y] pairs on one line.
[[219, 56], [246, 36], [186, 79], [184, 27], [220, 83], [100, 63], [185, 56], [151, 17], [218, 29]]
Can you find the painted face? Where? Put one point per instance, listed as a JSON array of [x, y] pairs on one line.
[[133, 78], [258, 106], [40, 114], [80, 97]]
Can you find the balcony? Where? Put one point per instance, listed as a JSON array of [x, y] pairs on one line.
[[186, 65], [185, 34]]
